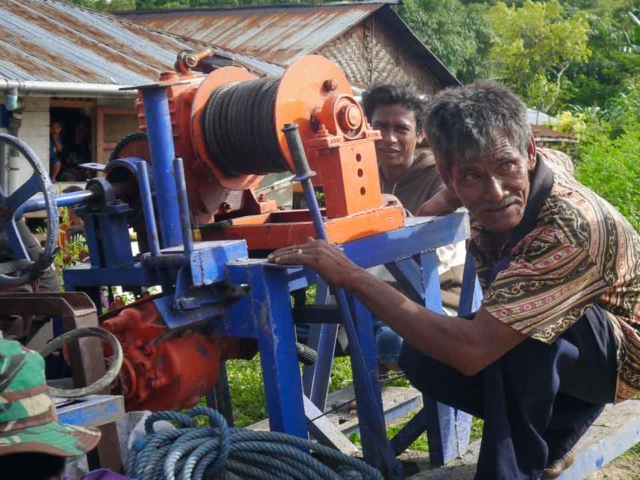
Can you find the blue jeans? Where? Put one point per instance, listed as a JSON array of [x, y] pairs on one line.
[[536, 401], [388, 342]]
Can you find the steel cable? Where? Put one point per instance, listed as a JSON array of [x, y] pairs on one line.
[[239, 128], [220, 452]]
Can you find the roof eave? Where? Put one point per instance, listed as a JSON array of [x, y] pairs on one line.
[[258, 7], [445, 77], [65, 89]]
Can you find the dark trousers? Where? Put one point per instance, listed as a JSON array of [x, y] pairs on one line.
[[536, 401]]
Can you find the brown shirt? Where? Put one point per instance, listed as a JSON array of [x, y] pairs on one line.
[[572, 250], [418, 184]]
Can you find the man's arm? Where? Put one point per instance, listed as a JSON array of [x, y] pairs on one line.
[[469, 346], [442, 203]]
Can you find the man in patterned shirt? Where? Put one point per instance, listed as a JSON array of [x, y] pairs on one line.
[[556, 337]]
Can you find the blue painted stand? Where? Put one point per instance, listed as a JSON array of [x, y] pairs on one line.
[[415, 268], [92, 411], [188, 272], [266, 315]]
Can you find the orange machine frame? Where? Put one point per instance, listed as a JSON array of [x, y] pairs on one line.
[[339, 143]]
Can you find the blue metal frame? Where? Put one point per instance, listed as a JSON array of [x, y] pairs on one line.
[[92, 411], [160, 135], [192, 275]]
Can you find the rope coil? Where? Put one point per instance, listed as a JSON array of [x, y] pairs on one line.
[[239, 128], [220, 452]]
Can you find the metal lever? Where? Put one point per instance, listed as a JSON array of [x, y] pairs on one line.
[[368, 399]]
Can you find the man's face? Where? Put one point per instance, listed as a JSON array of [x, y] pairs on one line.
[[55, 129], [399, 136], [494, 187]]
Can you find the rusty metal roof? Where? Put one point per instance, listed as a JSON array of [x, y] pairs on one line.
[[48, 40], [544, 134], [278, 33]]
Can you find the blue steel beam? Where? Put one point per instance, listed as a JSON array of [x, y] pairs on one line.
[[92, 411], [160, 135], [63, 200]]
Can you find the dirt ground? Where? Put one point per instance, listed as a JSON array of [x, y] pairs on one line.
[[623, 468]]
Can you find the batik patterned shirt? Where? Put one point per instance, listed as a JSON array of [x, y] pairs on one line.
[[571, 251]]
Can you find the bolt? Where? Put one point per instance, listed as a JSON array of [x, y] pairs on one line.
[[322, 130], [224, 206], [330, 85], [262, 197], [147, 350], [191, 61]]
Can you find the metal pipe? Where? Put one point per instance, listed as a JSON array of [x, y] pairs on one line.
[[166, 261], [183, 204], [147, 208], [52, 89], [63, 200], [4, 170], [367, 398], [156, 109]]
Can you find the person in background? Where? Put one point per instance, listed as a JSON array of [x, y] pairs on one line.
[[78, 152], [411, 175], [56, 147], [406, 172]]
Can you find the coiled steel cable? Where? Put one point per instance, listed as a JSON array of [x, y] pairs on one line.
[[220, 452], [239, 128]]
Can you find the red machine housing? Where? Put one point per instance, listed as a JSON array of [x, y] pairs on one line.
[[162, 370]]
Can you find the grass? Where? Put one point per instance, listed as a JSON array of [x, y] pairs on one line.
[[421, 444], [249, 403]]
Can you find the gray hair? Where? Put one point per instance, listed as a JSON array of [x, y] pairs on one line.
[[463, 122]]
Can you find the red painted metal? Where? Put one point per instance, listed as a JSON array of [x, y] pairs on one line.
[[339, 143], [162, 370]]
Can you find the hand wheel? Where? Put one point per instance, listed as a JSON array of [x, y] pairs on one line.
[[10, 207]]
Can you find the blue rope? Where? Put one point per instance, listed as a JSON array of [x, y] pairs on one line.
[[223, 453]]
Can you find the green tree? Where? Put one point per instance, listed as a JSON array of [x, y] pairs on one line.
[[533, 47], [615, 60], [459, 35]]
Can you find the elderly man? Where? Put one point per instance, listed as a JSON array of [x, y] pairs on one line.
[[556, 336]]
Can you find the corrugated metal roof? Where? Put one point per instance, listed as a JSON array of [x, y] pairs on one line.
[[536, 117], [543, 134], [276, 33], [45, 40]]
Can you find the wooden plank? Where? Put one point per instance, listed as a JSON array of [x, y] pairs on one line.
[[397, 402], [324, 431], [100, 157], [59, 103], [615, 432]]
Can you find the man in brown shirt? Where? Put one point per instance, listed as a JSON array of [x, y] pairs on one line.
[[557, 336], [411, 175]]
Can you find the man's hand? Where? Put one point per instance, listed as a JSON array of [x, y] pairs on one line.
[[326, 260]]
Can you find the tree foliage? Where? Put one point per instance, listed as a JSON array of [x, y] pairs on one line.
[[533, 47], [460, 36]]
